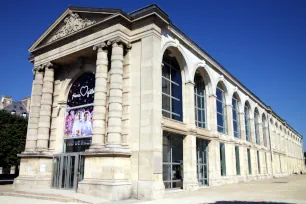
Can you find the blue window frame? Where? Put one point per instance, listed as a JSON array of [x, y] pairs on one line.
[[236, 124], [171, 89], [199, 101], [221, 113]]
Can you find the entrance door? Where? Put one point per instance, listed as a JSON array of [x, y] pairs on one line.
[[202, 161], [68, 170]]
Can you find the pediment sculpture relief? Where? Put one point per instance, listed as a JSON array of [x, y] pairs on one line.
[[73, 23]]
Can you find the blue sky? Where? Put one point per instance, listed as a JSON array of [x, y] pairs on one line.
[[262, 43]]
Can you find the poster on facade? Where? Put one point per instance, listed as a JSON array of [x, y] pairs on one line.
[[78, 122], [79, 111]]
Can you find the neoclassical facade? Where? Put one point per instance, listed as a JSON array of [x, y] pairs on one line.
[[127, 106]]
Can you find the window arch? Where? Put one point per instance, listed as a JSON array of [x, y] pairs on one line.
[[221, 111], [256, 126], [171, 88], [199, 100], [235, 110], [264, 130], [247, 121]]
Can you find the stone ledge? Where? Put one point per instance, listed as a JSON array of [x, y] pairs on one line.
[[108, 152], [35, 155]]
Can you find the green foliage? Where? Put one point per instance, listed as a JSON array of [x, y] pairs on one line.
[[13, 130]]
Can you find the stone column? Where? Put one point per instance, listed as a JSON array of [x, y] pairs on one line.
[[190, 163], [213, 113], [99, 123], [189, 104], [242, 126], [229, 120], [44, 124], [34, 110], [252, 130], [260, 134], [115, 97]]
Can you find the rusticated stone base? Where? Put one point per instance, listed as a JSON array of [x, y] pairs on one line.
[[107, 176], [35, 173], [110, 190], [150, 190]]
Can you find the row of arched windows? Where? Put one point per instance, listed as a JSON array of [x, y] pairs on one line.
[[172, 103]]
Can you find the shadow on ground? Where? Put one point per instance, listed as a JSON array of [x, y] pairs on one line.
[[247, 202]]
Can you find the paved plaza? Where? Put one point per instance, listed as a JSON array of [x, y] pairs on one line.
[[279, 190]]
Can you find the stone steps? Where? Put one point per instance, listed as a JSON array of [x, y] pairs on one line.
[[43, 196]]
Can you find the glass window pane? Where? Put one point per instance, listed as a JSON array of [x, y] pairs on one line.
[[177, 108], [165, 86], [220, 120], [166, 102], [166, 71], [176, 76]]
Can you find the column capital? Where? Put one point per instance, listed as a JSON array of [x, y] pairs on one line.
[[99, 47], [42, 67]]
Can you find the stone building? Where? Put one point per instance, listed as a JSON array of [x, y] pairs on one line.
[[127, 106], [21, 108]]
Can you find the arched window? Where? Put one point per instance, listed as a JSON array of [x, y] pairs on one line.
[[79, 114], [171, 89], [221, 111], [256, 125], [235, 109], [264, 130], [199, 101], [247, 121]]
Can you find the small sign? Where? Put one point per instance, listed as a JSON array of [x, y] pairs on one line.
[[43, 168]]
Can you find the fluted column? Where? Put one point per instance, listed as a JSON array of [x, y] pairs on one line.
[[34, 110], [44, 124], [115, 97], [99, 116]]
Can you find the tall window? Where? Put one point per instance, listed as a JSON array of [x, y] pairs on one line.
[[221, 113], [199, 101], [258, 163], [249, 161], [264, 130], [237, 160], [235, 116], [256, 125], [222, 159], [171, 89], [247, 122]]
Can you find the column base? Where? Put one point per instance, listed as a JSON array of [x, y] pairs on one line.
[[35, 172], [150, 190], [191, 186], [110, 190]]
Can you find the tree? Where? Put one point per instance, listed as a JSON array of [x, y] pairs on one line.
[[13, 130]]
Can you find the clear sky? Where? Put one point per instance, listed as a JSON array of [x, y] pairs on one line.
[[262, 43]]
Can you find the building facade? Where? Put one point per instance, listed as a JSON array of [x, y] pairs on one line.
[[21, 108], [127, 106]]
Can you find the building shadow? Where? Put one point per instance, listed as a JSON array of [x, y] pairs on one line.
[[247, 202]]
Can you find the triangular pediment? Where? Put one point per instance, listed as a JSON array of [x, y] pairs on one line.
[[70, 22]]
